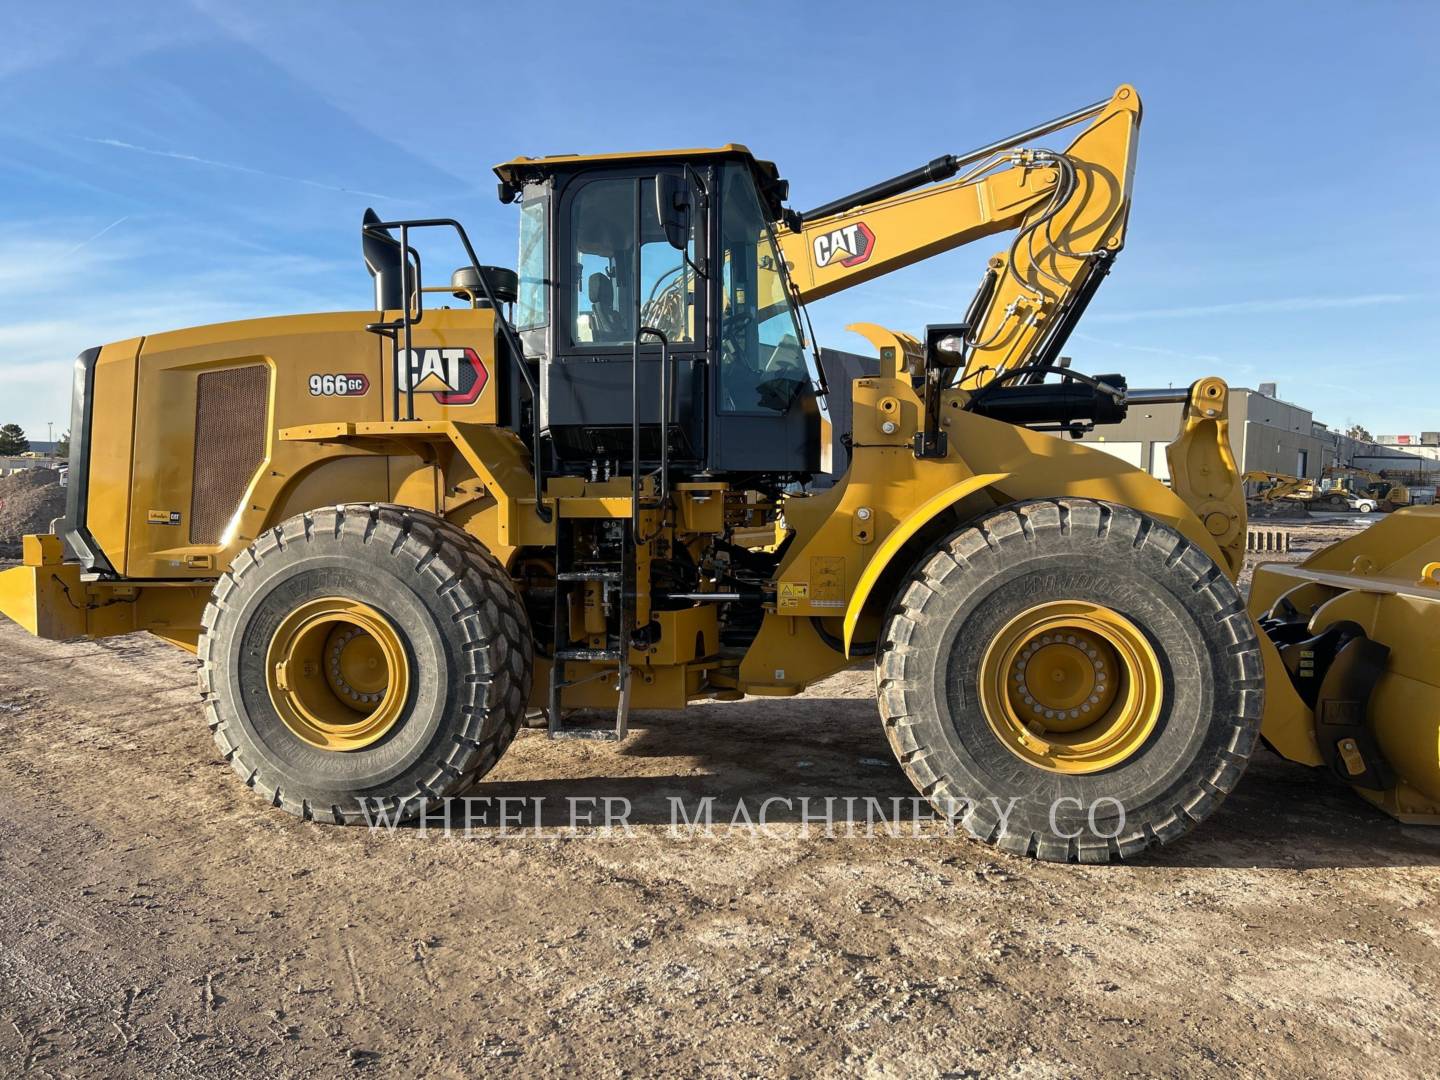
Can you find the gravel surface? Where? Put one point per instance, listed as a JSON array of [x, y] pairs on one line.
[[29, 501], [1307, 536], [156, 918]]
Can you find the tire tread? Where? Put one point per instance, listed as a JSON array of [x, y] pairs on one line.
[[902, 666], [499, 661]]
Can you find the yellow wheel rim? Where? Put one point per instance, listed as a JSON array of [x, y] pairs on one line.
[[1071, 687], [337, 673]]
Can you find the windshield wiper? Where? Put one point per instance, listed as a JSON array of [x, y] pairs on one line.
[[812, 364]]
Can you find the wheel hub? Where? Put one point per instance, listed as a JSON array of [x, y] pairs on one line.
[[1062, 681], [355, 665], [1071, 687], [337, 674]]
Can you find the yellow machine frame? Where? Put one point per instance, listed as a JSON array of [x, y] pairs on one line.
[[846, 543]]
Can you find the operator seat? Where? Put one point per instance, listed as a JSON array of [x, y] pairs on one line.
[[608, 327]]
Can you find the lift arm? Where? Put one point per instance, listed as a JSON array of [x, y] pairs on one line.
[[1069, 209]]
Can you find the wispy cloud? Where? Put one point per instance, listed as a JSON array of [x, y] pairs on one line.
[[1258, 307], [133, 285], [1151, 350], [44, 258], [46, 35], [91, 239], [37, 259], [195, 159]]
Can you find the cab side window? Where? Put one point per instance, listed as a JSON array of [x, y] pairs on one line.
[[532, 307], [602, 230], [607, 219]]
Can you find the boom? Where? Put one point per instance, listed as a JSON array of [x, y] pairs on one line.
[[1069, 209]]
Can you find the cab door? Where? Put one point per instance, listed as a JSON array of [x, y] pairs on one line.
[[766, 414], [616, 274]]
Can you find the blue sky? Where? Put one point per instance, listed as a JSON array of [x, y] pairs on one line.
[[173, 164]]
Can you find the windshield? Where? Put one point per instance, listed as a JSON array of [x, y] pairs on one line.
[[762, 361]]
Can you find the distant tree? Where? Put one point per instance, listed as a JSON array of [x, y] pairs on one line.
[[1356, 431], [13, 440], [62, 448]]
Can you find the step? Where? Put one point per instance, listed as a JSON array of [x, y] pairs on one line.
[[589, 575], [589, 654]]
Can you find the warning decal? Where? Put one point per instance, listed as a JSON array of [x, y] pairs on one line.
[[827, 580], [793, 594]]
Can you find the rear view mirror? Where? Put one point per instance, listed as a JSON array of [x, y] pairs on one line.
[[672, 207]]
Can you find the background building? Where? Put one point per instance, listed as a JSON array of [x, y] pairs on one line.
[[1416, 455]]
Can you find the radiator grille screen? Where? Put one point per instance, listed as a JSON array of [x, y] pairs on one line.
[[230, 418]]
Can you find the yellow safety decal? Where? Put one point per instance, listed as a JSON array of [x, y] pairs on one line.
[[793, 594]]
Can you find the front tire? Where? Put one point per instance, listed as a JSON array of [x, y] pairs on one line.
[[1071, 680], [364, 659]]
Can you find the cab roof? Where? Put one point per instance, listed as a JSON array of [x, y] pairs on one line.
[[519, 170]]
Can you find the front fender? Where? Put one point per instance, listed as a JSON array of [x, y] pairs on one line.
[[1010, 464], [901, 534]]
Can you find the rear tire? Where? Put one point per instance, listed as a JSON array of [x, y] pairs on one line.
[[963, 739], [447, 652]]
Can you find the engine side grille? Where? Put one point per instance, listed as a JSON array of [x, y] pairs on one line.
[[230, 419]]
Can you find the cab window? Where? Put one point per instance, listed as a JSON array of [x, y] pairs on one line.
[[762, 359], [612, 221], [532, 296]]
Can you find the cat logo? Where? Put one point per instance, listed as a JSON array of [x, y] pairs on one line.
[[849, 245], [454, 376]]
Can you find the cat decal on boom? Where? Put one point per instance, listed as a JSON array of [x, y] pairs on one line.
[[849, 245]]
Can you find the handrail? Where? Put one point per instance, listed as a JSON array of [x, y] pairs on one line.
[[667, 392], [407, 320], [664, 485], [512, 339]]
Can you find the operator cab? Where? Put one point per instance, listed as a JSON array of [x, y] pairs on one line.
[[625, 259]]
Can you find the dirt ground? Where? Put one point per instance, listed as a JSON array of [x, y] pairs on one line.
[[29, 501], [156, 918], [1307, 535]]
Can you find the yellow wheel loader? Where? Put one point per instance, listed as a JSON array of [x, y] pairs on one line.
[[608, 479]]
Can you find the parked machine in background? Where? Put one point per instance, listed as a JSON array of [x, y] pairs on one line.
[[387, 534], [1337, 490], [1369, 490]]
